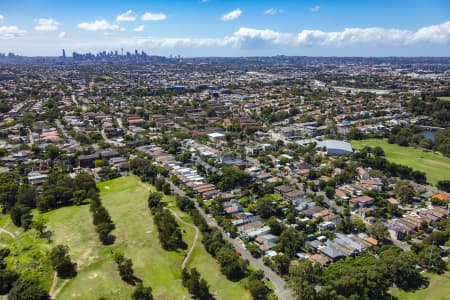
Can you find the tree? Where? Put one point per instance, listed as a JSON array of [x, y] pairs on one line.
[[154, 200], [142, 293], [302, 279], [7, 279], [404, 191], [26, 195], [27, 288], [444, 185], [281, 263], [166, 188], [265, 206], [400, 266], [379, 231], [40, 224], [84, 181], [61, 262], [229, 263], [430, 257], [254, 250], [125, 266], [290, 242], [21, 216], [358, 225], [53, 153], [276, 228], [168, 231], [329, 192], [102, 221], [258, 289]]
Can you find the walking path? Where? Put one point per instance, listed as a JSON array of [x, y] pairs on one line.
[[188, 255]]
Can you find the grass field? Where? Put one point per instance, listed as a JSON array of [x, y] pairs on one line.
[[126, 200], [447, 98], [438, 289], [436, 166]]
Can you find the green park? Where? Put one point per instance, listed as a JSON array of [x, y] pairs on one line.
[[435, 165], [136, 237]]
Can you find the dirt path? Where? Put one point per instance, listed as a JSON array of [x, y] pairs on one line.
[[81, 263], [188, 255], [52, 288], [7, 232]]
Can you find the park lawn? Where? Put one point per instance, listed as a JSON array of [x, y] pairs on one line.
[[125, 198], [446, 98], [438, 289], [219, 285], [436, 166]]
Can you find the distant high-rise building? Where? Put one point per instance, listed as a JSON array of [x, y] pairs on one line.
[[63, 54]]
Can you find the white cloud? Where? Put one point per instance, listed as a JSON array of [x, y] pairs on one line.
[[148, 16], [46, 24], [2, 17], [315, 8], [127, 16], [273, 11], [62, 35], [139, 28], [204, 1], [251, 38], [234, 14], [98, 25], [8, 32]]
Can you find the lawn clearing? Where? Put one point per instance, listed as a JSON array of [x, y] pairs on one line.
[[438, 289], [446, 98], [436, 166], [125, 198]]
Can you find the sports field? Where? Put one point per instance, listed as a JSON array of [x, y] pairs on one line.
[[436, 166]]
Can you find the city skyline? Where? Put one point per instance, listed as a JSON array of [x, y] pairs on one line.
[[231, 28]]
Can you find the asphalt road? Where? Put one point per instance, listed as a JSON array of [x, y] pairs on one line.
[[278, 283]]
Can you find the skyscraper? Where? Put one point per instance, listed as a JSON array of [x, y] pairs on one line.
[[63, 54]]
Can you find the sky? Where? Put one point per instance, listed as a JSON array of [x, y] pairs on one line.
[[227, 27]]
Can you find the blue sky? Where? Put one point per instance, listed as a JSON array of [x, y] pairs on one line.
[[228, 27]]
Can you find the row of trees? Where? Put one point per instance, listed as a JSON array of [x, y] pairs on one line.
[[125, 266], [168, 230], [197, 286], [102, 221], [126, 272], [231, 265]]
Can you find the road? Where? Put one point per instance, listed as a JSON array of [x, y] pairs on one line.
[[30, 136], [74, 100], [65, 133], [277, 282], [111, 142]]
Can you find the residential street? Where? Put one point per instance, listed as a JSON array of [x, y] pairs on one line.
[[278, 283]]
